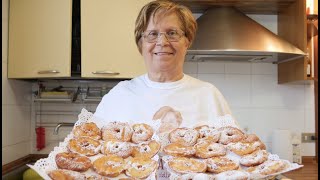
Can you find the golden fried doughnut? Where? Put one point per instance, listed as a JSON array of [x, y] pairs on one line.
[[243, 148], [230, 134], [61, 174], [87, 129], [140, 167], [250, 138], [221, 164], [232, 175], [141, 132], [268, 167], [179, 150], [255, 158], [253, 138], [205, 149], [117, 131], [72, 161], [187, 165], [84, 145], [110, 165], [184, 136], [146, 149], [208, 133], [118, 148]]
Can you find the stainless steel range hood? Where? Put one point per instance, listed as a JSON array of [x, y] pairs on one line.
[[225, 33]]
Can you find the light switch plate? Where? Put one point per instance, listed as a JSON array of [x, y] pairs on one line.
[[308, 137]]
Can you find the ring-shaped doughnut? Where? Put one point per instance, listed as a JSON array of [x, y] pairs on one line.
[[72, 161]]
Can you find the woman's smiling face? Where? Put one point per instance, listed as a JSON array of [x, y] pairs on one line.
[[163, 56]]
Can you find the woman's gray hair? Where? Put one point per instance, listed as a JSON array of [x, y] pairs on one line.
[[188, 22]]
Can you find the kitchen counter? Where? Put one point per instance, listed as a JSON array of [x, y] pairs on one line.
[[15, 169], [308, 172]]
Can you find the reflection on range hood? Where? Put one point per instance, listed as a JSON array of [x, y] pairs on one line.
[[225, 33]]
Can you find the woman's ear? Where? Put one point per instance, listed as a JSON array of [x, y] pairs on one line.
[[188, 44]]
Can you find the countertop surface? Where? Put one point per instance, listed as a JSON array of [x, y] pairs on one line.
[[308, 172]]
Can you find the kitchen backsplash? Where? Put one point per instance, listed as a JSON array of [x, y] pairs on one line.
[[257, 101]]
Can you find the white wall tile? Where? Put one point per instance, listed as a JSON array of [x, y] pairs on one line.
[[211, 67], [47, 149], [190, 67], [308, 149], [14, 152], [15, 92], [17, 124], [193, 75], [50, 136], [243, 116], [238, 68], [64, 132], [309, 96], [266, 92], [61, 107], [237, 91], [264, 68], [310, 120], [264, 121], [218, 80]]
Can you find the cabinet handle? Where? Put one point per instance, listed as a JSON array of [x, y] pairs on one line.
[[48, 72], [106, 72]]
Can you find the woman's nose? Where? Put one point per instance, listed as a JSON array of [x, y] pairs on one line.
[[162, 39]]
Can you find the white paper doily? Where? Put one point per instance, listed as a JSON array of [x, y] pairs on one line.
[[42, 166], [231, 155], [226, 120]]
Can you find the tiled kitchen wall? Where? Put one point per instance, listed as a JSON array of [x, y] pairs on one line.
[[257, 101], [49, 114], [16, 106]]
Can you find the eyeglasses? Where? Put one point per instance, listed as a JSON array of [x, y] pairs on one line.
[[172, 35]]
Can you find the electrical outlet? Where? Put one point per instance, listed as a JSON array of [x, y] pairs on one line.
[[308, 137]]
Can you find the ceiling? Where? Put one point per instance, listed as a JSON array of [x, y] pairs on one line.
[[246, 6]]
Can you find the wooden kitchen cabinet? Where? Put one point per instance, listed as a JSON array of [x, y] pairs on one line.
[[108, 48], [39, 38], [41, 35], [292, 26]]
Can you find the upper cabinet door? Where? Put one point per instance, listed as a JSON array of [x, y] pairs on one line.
[[108, 48], [40, 38]]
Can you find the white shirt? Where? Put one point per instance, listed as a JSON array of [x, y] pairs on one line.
[[137, 100]]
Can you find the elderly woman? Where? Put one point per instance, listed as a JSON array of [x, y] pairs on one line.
[[163, 33]]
